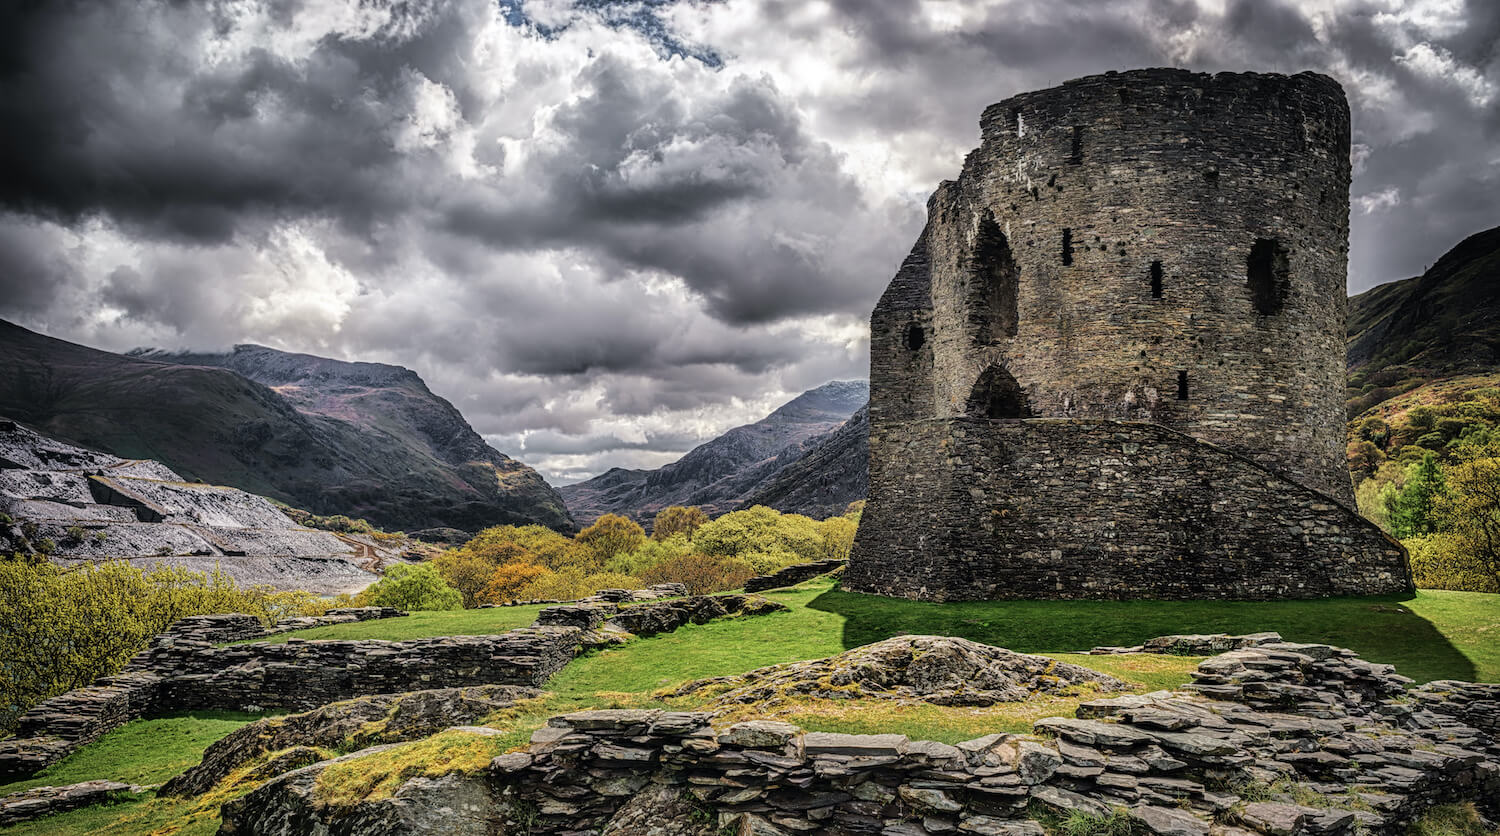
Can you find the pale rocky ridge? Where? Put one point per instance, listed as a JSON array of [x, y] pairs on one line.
[[81, 506]]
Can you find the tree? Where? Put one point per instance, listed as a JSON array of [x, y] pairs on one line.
[[507, 580], [1470, 506], [1412, 509], [412, 586], [677, 519], [701, 573], [610, 535], [505, 543], [466, 572]]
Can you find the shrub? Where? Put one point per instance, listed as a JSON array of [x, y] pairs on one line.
[[564, 585], [546, 547], [1441, 561], [508, 580], [761, 530], [677, 519], [610, 535], [465, 572], [649, 554], [701, 573], [1413, 509], [65, 628], [412, 586]]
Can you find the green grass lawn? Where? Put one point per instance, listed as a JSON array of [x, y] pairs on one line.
[[422, 625], [141, 752]]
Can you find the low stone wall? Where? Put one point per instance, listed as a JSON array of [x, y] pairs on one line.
[[978, 509], [46, 801], [658, 617], [50, 731], [1308, 718], [792, 575]]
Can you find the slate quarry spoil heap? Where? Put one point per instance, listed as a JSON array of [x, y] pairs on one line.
[[1112, 366]]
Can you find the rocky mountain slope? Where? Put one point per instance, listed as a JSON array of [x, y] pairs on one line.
[[75, 505], [1440, 323], [834, 472], [721, 474], [362, 439]]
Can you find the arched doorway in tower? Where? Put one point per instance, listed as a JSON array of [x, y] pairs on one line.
[[996, 394]]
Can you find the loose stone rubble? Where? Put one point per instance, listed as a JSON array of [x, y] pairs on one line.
[[182, 672], [933, 669], [1195, 644], [1281, 739], [45, 801], [793, 575]]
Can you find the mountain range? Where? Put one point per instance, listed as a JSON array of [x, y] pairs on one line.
[[737, 468], [363, 439]]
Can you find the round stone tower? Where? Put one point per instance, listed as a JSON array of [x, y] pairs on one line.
[[1154, 247]]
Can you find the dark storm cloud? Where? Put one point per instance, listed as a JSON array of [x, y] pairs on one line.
[[608, 230]]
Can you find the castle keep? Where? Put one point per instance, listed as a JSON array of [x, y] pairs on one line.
[[1113, 364]]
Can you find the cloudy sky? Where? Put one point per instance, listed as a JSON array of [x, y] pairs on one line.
[[610, 230]]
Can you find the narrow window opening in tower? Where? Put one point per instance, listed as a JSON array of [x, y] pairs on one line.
[[996, 279], [996, 394], [915, 337], [1076, 156], [1268, 276], [1067, 248], [1156, 280], [1182, 386]]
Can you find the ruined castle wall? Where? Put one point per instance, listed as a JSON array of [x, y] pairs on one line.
[[1158, 245], [1057, 508]]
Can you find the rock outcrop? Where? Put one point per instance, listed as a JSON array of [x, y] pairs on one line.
[[1280, 739], [940, 670], [721, 474], [77, 505], [352, 724], [822, 482]]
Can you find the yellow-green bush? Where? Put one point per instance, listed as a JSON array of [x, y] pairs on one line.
[[701, 573], [65, 627], [1440, 561]]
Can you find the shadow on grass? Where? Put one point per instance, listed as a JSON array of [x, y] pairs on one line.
[[1380, 629]]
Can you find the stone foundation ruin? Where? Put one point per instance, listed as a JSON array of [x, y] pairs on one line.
[[1113, 364]]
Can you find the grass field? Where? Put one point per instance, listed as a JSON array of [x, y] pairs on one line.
[[1431, 635]]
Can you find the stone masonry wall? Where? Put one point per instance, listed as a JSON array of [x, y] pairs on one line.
[[1155, 246], [1042, 508]]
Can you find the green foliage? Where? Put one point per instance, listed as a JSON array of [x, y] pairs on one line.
[[676, 520], [44, 546], [702, 573], [64, 628], [571, 583], [1470, 507], [412, 586], [649, 554], [75, 535], [763, 535], [505, 543], [1412, 510], [466, 572], [1444, 561], [610, 535]]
